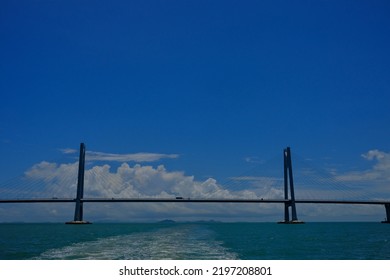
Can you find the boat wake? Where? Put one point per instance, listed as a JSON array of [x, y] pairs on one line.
[[179, 242]]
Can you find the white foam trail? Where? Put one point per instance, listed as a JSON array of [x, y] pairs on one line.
[[179, 242]]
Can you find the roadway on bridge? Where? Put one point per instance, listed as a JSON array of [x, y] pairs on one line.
[[188, 200]]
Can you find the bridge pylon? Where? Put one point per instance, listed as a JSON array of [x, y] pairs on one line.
[[387, 208], [289, 184], [78, 213]]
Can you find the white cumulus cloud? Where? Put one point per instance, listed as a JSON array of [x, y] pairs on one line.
[[147, 181], [138, 181], [380, 171]]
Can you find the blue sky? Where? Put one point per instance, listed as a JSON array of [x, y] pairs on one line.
[[205, 84]]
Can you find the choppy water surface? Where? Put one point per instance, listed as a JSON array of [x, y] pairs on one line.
[[196, 241]]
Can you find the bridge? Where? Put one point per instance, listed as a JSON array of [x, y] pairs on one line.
[[289, 201]]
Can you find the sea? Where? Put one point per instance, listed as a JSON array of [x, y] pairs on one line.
[[195, 241]]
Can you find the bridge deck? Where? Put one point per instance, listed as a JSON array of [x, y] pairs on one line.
[[187, 200]]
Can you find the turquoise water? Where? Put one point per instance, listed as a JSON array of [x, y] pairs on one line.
[[205, 241]]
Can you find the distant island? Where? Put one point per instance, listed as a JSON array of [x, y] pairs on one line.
[[195, 222], [167, 222]]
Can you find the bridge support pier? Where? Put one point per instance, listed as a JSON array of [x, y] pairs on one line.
[[289, 182], [387, 207], [78, 213]]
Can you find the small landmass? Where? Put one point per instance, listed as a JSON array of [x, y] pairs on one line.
[[167, 222]]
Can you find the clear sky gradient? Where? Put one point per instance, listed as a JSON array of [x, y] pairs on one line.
[[210, 86]]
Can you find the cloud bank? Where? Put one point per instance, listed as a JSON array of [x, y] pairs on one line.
[[129, 182], [138, 181], [50, 179]]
